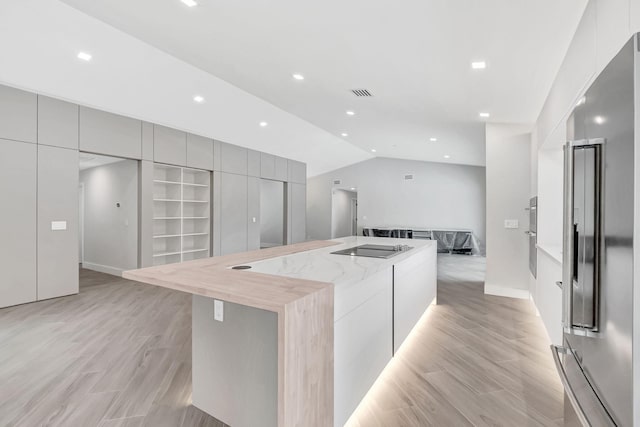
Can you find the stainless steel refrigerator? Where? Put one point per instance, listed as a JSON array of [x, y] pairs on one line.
[[595, 361]]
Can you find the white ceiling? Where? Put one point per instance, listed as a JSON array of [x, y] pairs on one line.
[[413, 55]]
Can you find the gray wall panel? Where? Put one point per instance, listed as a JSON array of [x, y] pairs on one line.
[[253, 163], [233, 213], [297, 210], [57, 123], [253, 211], [110, 134], [57, 201], [233, 159], [282, 169], [145, 213], [18, 162], [18, 115], [215, 225], [169, 146], [297, 172], [199, 152]]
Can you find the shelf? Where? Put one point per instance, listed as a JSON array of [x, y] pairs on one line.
[[195, 234], [159, 181], [195, 217], [191, 184], [166, 254], [190, 251], [167, 200], [168, 217], [166, 236], [196, 201]]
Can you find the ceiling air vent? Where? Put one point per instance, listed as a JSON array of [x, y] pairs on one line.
[[361, 92], [337, 181], [408, 177]]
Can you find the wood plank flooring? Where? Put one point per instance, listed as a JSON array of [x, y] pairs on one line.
[[119, 355]]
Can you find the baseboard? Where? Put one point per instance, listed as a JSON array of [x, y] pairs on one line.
[[103, 269], [502, 291]]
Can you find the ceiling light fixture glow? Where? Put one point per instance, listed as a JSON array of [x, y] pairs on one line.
[[199, 99], [373, 150], [485, 115], [190, 3], [433, 139], [599, 120], [85, 56], [479, 65], [446, 156], [350, 113], [344, 134], [298, 76], [263, 124]]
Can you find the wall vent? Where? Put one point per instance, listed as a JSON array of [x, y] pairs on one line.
[[337, 181], [408, 177], [361, 92]]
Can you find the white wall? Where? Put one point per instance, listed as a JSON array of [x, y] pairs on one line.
[[341, 213], [508, 174], [111, 233], [271, 213], [440, 195]]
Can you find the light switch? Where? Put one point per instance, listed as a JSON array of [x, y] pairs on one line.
[[511, 223], [58, 225], [218, 310]]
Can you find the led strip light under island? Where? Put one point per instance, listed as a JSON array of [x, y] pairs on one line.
[[304, 332]]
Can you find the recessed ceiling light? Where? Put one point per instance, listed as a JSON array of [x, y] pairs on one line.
[[350, 113], [298, 76], [353, 188], [599, 120], [433, 139], [373, 150], [446, 156], [479, 65], [190, 3], [344, 134], [85, 56], [484, 115], [263, 124], [199, 99]]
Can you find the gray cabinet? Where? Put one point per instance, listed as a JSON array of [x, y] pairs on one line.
[[296, 213], [233, 159], [110, 134], [267, 166], [57, 222], [253, 211], [18, 115], [145, 214], [297, 172], [147, 141], [169, 146], [282, 167], [18, 162], [215, 214], [199, 152], [253, 163], [233, 213], [57, 123]]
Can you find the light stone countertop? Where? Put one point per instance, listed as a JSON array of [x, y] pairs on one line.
[[323, 266]]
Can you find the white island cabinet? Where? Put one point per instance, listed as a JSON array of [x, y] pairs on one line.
[[300, 336]]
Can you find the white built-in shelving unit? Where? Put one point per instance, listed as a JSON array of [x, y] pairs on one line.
[[181, 212]]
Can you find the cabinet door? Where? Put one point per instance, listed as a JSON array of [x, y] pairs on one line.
[[18, 115], [267, 166], [282, 168], [199, 152], [297, 172], [233, 159], [297, 213], [57, 123], [233, 213], [253, 200], [147, 141], [253, 163], [57, 222], [18, 162], [110, 134], [169, 146]]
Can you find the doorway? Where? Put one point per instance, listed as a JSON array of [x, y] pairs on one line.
[[272, 217], [344, 213], [108, 217]]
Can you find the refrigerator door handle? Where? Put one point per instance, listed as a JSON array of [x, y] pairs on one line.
[[556, 351], [567, 240]]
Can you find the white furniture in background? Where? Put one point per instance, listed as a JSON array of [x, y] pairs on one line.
[[181, 214]]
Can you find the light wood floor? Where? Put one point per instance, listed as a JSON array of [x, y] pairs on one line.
[[119, 355]]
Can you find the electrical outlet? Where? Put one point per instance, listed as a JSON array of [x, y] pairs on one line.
[[218, 310], [511, 223]]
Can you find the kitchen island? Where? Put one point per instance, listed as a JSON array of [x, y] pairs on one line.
[[302, 333]]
